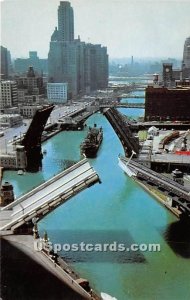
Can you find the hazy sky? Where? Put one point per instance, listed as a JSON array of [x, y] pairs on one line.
[[142, 28]]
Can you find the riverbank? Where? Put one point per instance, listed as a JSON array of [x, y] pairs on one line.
[[159, 197]]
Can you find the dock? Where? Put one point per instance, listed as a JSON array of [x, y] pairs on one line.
[[64, 277]]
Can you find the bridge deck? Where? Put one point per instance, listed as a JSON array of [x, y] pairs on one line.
[[50, 194]]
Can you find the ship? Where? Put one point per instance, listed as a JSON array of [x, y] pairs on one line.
[[92, 142]]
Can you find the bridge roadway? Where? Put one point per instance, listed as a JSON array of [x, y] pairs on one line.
[[122, 129], [181, 193], [46, 197], [125, 105], [131, 96]]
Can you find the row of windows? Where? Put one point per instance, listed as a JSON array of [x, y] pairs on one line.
[[57, 93], [8, 162]]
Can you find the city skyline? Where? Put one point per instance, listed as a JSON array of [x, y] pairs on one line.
[[139, 28]]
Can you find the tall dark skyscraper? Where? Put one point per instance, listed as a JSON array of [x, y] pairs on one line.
[[65, 21]]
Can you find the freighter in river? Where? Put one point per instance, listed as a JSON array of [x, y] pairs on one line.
[[92, 142]]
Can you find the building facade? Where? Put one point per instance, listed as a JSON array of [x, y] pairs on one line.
[[16, 160], [163, 104], [28, 111], [10, 120], [8, 94], [57, 92], [31, 82], [31, 89]]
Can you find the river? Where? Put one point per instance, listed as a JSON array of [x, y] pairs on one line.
[[115, 210]]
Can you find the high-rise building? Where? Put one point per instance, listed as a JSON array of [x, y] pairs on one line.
[[186, 53], [8, 94], [65, 21], [83, 66], [4, 63], [63, 65], [21, 65], [96, 67], [186, 59]]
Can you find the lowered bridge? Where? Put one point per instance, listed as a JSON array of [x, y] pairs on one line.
[[124, 105], [132, 96], [46, 197]]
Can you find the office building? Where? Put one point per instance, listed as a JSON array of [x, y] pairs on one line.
[[83, 66], [65, 22], [165, 104], [28, 111], [57, 92], [186, 59], [186, 53], [8, 94], [4, 67], [16, 160], [96, 66], [21, 65], [31, 83]]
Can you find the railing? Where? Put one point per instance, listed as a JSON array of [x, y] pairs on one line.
[[39, 202]]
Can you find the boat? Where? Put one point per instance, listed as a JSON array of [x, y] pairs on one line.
[[92, 142], [20, 172], [107, 297], [44, 151]]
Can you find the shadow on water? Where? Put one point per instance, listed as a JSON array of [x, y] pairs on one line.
[[22, 278], [100, 253], [177, 235]]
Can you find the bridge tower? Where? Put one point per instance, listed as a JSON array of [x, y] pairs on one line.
[[7, 194]]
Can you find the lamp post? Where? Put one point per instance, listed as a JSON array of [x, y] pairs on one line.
[[133, 152]]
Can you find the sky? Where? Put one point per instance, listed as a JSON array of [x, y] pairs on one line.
[[142, 28]]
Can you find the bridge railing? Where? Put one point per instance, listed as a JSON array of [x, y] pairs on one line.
[[45, 184], [73, 182]]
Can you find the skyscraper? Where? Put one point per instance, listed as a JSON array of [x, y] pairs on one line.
[[83, 66], [65, 21], [4, 62], [186, 59], [186, 53]]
